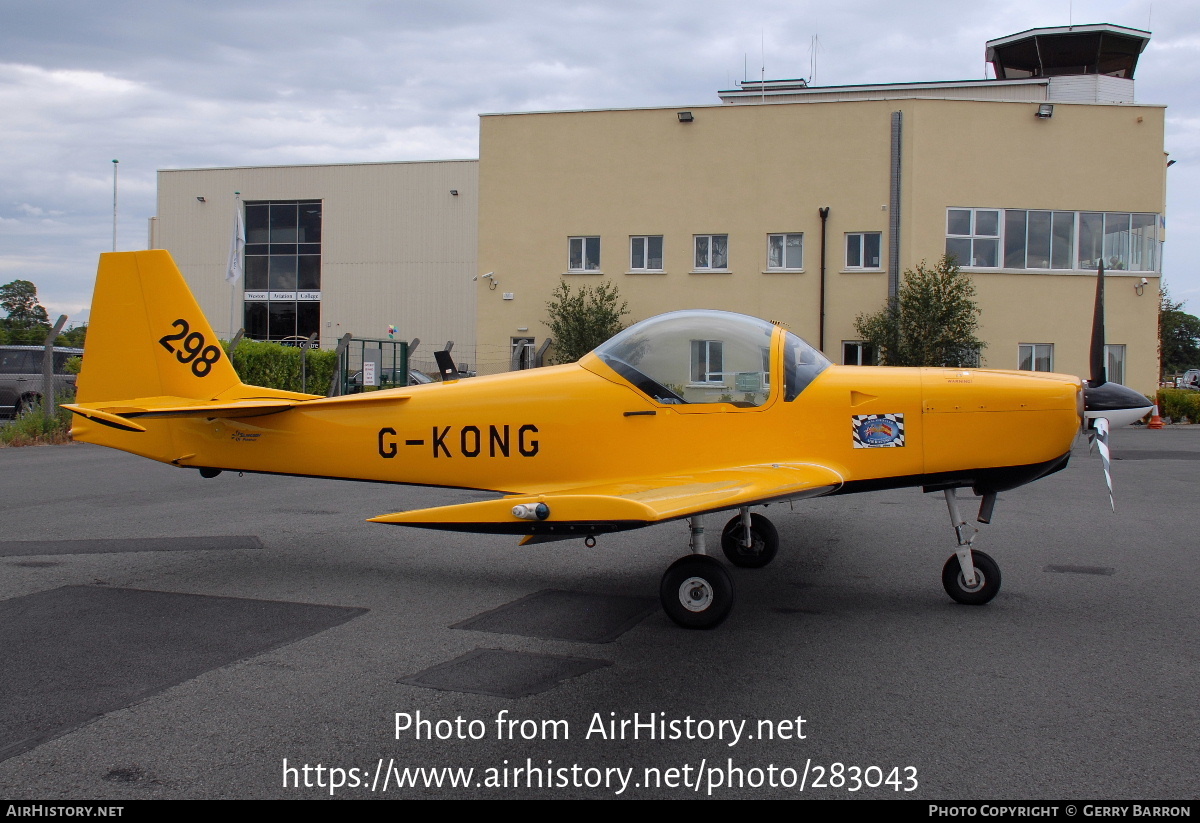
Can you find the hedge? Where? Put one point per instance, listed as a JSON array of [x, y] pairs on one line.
[[1178, 404], [278, 367]]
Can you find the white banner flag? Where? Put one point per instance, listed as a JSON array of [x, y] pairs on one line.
[[237, 247]]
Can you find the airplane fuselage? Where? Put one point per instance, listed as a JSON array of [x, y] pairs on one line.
[[528, 431]]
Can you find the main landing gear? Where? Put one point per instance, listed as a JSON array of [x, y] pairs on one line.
[[970, 577], [696, 591]]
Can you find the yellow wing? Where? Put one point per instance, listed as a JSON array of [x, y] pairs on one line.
[[627, 504]]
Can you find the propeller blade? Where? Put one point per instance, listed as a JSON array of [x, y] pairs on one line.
[[1099, 372], [1121, 405], [1100, 427]]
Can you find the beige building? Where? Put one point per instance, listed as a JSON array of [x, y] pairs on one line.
[[1029, 180], [333, 249]]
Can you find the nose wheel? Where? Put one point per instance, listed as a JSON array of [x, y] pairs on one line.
[[696, 592], [987, 579]]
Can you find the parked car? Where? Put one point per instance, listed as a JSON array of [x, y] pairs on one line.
[[1190, 379], [21, 376], [387, 379]]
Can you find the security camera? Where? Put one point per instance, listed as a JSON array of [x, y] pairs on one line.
[[1145, 281]]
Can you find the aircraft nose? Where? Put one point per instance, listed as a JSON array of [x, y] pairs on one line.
[[1121, 405]]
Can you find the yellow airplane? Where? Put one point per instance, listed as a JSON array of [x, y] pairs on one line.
[[679, 416]]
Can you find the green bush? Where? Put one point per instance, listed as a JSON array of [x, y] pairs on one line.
[[1178, 404], [32, 428], [278, 367]]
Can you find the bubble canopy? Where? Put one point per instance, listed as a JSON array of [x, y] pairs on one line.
[[708, 356]]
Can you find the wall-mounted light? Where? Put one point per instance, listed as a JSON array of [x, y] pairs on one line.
[[685, 117], [1141, 287], [1045, 111], [200, 199], [454, 192]]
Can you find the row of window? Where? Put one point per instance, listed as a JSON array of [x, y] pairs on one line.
[[1040, 357], [1032, 239], [975, 237], [1030, 357], [785, 252]]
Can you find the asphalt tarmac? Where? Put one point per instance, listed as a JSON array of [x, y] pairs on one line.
[[167, 636]]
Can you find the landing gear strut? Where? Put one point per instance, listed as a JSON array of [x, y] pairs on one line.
[[970, 577]]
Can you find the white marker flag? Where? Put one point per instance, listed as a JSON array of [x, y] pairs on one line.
[[237, 247]]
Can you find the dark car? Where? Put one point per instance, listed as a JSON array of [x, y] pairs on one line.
[[21, 376]]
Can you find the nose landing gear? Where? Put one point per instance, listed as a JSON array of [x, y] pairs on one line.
[[970, 577]]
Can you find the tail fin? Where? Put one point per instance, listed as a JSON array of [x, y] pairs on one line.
[[147, 336], [154, 374]]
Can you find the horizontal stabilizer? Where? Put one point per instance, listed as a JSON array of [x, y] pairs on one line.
[[118, 413], [103, 418]]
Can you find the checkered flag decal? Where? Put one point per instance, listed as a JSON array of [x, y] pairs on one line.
[[878, 431]]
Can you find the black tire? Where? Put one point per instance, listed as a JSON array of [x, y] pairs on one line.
[[764, 542], [987, 580], [697, 592]]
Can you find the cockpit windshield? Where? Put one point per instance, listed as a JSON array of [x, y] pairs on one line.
[[696, 357], [801, 364]]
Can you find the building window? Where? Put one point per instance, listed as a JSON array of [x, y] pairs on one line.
[[1053, 240], [707, 362], [282, 287], [646, 253], [973, 237], [1114, 363], [857, 353], [1120, 240], [585, 254], [1038, 239], [785, 251], [862, 250], [712, 252], [1035, 357]]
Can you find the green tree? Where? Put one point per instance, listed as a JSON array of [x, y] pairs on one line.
[[26, 321], [1178, 336], [932, 322], [73, 337], [580, 321]]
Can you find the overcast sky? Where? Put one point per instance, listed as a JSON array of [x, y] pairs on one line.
[[175, 84]]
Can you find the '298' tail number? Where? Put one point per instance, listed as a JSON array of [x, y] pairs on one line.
[[192, 349]]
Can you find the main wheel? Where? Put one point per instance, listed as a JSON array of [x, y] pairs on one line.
[[696, 592], [987, 579], [764, 542]]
